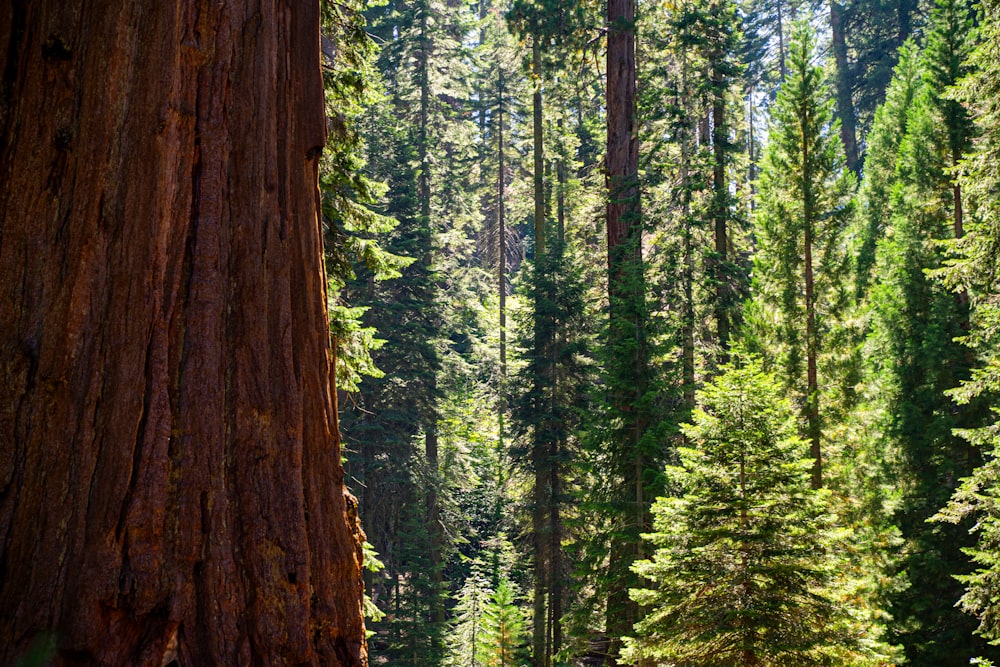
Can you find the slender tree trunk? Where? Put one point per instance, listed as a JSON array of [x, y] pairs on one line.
[[782, 68], [555, 556], [904, 15], [688, 366], [720, 208], [538, 149], [431, 418], [751, 148], [502, 245], [170, 479], [561, 186], [812, 346], [541, 547], [845, 102]]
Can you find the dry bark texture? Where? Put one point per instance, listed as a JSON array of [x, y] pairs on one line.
[[170, 479]]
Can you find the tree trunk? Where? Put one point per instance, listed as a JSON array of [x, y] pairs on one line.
[[555, 557], [688, 326], [538, 149], [502, 248], [170, 478], [812, 343], [540, 446], [431, 418], [845, 103], [720, 208], [782, 68], [626, 291]]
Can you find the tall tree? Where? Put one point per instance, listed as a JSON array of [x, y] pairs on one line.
[[804, 197], [875, 194], [914, 357], [421, 143], [552, 28], [975, 272], [874, 31], [634, 463], [171, 466]]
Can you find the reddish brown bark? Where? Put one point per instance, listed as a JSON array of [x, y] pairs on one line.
[[628, 370], [170, 479]]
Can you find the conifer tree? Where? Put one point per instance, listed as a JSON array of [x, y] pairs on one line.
[[419, 141], [914, 357], [503, 629], [468, 638], [634, 457], [875, 194], [975, 272], [552, 29], [874, 32], [804, 200], [745, 553]]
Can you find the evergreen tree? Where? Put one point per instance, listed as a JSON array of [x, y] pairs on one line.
[[914, 357], [875, 194], [804, 200], [419, 142], [552, 28], [974, 271], [875, 31], [469, 646], [503, 629], [745, 553]]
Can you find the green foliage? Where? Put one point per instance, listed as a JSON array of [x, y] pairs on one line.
[[42, 651], [913, 353], [468, 641], [974, 270], [805, 192], [348, 193], [745, 552], [875, 195], [372, 564], [876, 32], [504, 638]]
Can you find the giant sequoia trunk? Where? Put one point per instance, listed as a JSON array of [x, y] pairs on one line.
[[170, 479], [627, 356]]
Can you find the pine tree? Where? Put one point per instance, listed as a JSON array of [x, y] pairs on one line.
[[974, 271], [503, 629], [804, 201], [914, 357], [745, 553], [875, 194], [468, 639]]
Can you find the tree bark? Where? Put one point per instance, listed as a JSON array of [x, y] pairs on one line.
[[628, 370], [812, 343], [720, 208], [541, 443], [845, 103], [170, 478]]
